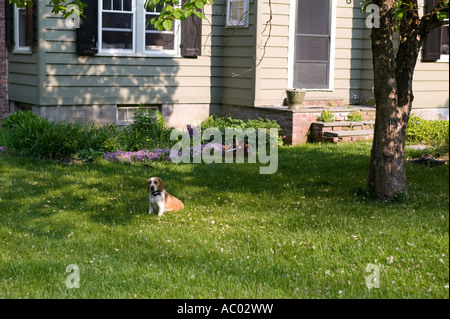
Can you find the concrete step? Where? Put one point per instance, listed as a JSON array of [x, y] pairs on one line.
[[347, 136]]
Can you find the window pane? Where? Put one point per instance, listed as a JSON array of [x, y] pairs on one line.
[[159, 41], [445, 40], [117, 40], [148, 18], [22, 26], [313, 17], [127, 5], [121, 114], [237, 10], [106, 4], [312, 48], [117, 5], [117, 20]]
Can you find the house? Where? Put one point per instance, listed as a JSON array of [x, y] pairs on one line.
[[240, 60]]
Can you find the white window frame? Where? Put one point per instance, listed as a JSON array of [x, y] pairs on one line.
[[139, 32], [17, 47], [242, 21], [100, 30]]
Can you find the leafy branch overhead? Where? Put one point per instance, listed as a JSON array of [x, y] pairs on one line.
[[400, 8], [170, 10]]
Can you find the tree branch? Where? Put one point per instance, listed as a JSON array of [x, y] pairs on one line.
[[430, 20]]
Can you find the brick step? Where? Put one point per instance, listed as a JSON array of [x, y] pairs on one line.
[[318, 129], [347, 136], [344, 125]]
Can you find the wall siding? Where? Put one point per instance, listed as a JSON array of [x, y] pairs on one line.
[[237, 46], [70, 79]]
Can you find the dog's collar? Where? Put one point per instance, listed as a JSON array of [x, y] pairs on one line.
[[157, 193]]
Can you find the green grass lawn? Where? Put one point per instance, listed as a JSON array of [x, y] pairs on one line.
[[308, 231]]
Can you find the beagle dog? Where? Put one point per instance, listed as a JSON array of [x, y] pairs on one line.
[[160, 200]]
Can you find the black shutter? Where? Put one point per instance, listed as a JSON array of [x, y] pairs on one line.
[[191, 36], [432, 43], [87, 35], [9, 24]]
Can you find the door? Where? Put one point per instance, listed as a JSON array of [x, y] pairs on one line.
[[312, 44]]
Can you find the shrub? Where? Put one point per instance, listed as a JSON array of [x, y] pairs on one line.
[[148, 131], [431, 132], [226, 121], [26, 134], [326, 116]]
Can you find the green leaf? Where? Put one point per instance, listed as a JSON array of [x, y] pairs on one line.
[[188, 13], [167, 24], [199, 4], [441, 15], [200, 15], [178, 14]]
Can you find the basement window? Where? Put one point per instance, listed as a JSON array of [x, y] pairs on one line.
[[125, 114]]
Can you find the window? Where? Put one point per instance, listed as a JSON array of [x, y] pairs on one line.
[[20, 27], [436, 44], [237, 13], [125, 28], [117, 25], [154, 39], [125, 114]]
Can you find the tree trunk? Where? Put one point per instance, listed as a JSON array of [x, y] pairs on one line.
[[393, 74]]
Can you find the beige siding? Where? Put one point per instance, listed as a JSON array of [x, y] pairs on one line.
[[237, 47], [272, 54]]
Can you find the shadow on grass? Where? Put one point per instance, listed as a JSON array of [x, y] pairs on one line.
[[113, 193]]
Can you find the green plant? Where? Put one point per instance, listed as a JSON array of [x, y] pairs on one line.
[[149, 129], [326, 116], [26, 134], [355, 116], [227, 121], [88, 155], [432, 132]]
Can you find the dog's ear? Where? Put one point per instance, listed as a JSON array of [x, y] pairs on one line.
[[149, 181], [160, 184]]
